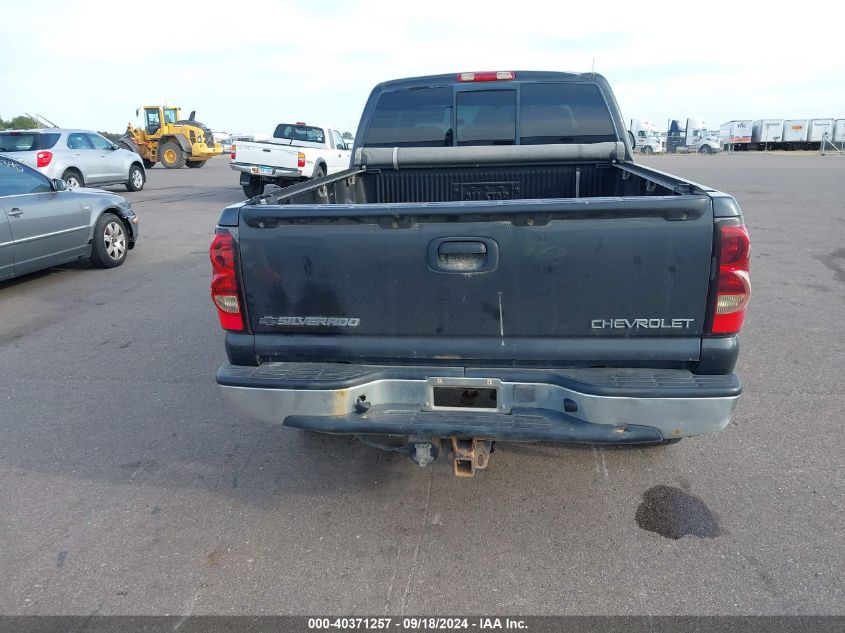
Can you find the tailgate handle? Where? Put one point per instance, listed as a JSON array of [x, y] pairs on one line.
[[463, 248], [463, 255]]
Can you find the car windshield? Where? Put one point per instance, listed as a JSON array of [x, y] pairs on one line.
[[26, 141]]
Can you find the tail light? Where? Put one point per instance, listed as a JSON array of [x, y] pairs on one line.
[[234, 152], [300, 159], [501, 75], [42, 159], [733, 286], [224, 282]]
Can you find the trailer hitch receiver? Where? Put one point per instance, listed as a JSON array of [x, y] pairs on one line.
[[470, 455]]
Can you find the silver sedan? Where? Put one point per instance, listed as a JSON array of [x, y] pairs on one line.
[[79, 157], [43, 224]]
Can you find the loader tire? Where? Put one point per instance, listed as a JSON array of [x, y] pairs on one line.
[[196, 164], [171, 155]]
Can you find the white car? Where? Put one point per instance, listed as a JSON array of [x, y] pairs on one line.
[[296, 152]]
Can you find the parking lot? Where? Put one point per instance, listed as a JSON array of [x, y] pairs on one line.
[[126, 486]]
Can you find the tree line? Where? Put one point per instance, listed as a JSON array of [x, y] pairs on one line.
[[21, 122], [24, 122]]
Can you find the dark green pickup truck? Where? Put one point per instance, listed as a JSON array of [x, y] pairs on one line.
[[493, 266]]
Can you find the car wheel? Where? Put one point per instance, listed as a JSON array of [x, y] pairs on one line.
[[319, 171], [171, 155], [254, 188], [149, 163], [136, 179], [73, 179], [111, 242], [196, 164]]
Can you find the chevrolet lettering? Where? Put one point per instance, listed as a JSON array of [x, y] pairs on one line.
[[649, 324]]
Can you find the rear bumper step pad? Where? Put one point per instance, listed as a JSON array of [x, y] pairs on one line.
[[611, 382], [535, 425]]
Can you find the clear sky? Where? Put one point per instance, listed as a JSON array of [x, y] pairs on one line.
[[246, 66]]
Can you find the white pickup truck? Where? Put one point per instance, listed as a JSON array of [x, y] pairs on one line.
[[296, 152]]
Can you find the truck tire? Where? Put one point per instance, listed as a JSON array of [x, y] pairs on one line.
[[647, 149], [196, 164], [171, 155], [705, 149], [136, 179], [148, 164], [111, 242], [319, 171], [254, 188]]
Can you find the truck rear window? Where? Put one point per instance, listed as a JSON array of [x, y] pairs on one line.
[[412, 118], [306, 133], [486, 117], [26, 141], [549, 113], [563, 113]]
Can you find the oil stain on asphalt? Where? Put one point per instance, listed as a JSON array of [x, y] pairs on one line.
[[674, 513]]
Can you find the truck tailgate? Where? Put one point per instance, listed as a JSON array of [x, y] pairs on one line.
[[266, 154], [589, 280]]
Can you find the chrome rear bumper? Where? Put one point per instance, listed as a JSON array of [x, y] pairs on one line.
[[620, 406]]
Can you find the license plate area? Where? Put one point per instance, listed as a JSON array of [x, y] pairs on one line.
[[464, 394], [266, 171], [481, 191]]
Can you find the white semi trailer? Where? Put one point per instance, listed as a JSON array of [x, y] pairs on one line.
[[818, 129], [736, 135], [767, 133], [839, 133], [795, 133]]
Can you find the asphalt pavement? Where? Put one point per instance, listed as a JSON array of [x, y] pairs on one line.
[[127, 486]]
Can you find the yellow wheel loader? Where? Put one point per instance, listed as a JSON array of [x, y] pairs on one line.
[[168, 139]]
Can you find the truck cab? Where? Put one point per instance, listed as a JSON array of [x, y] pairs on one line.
[[647, 139], [691, 138]]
